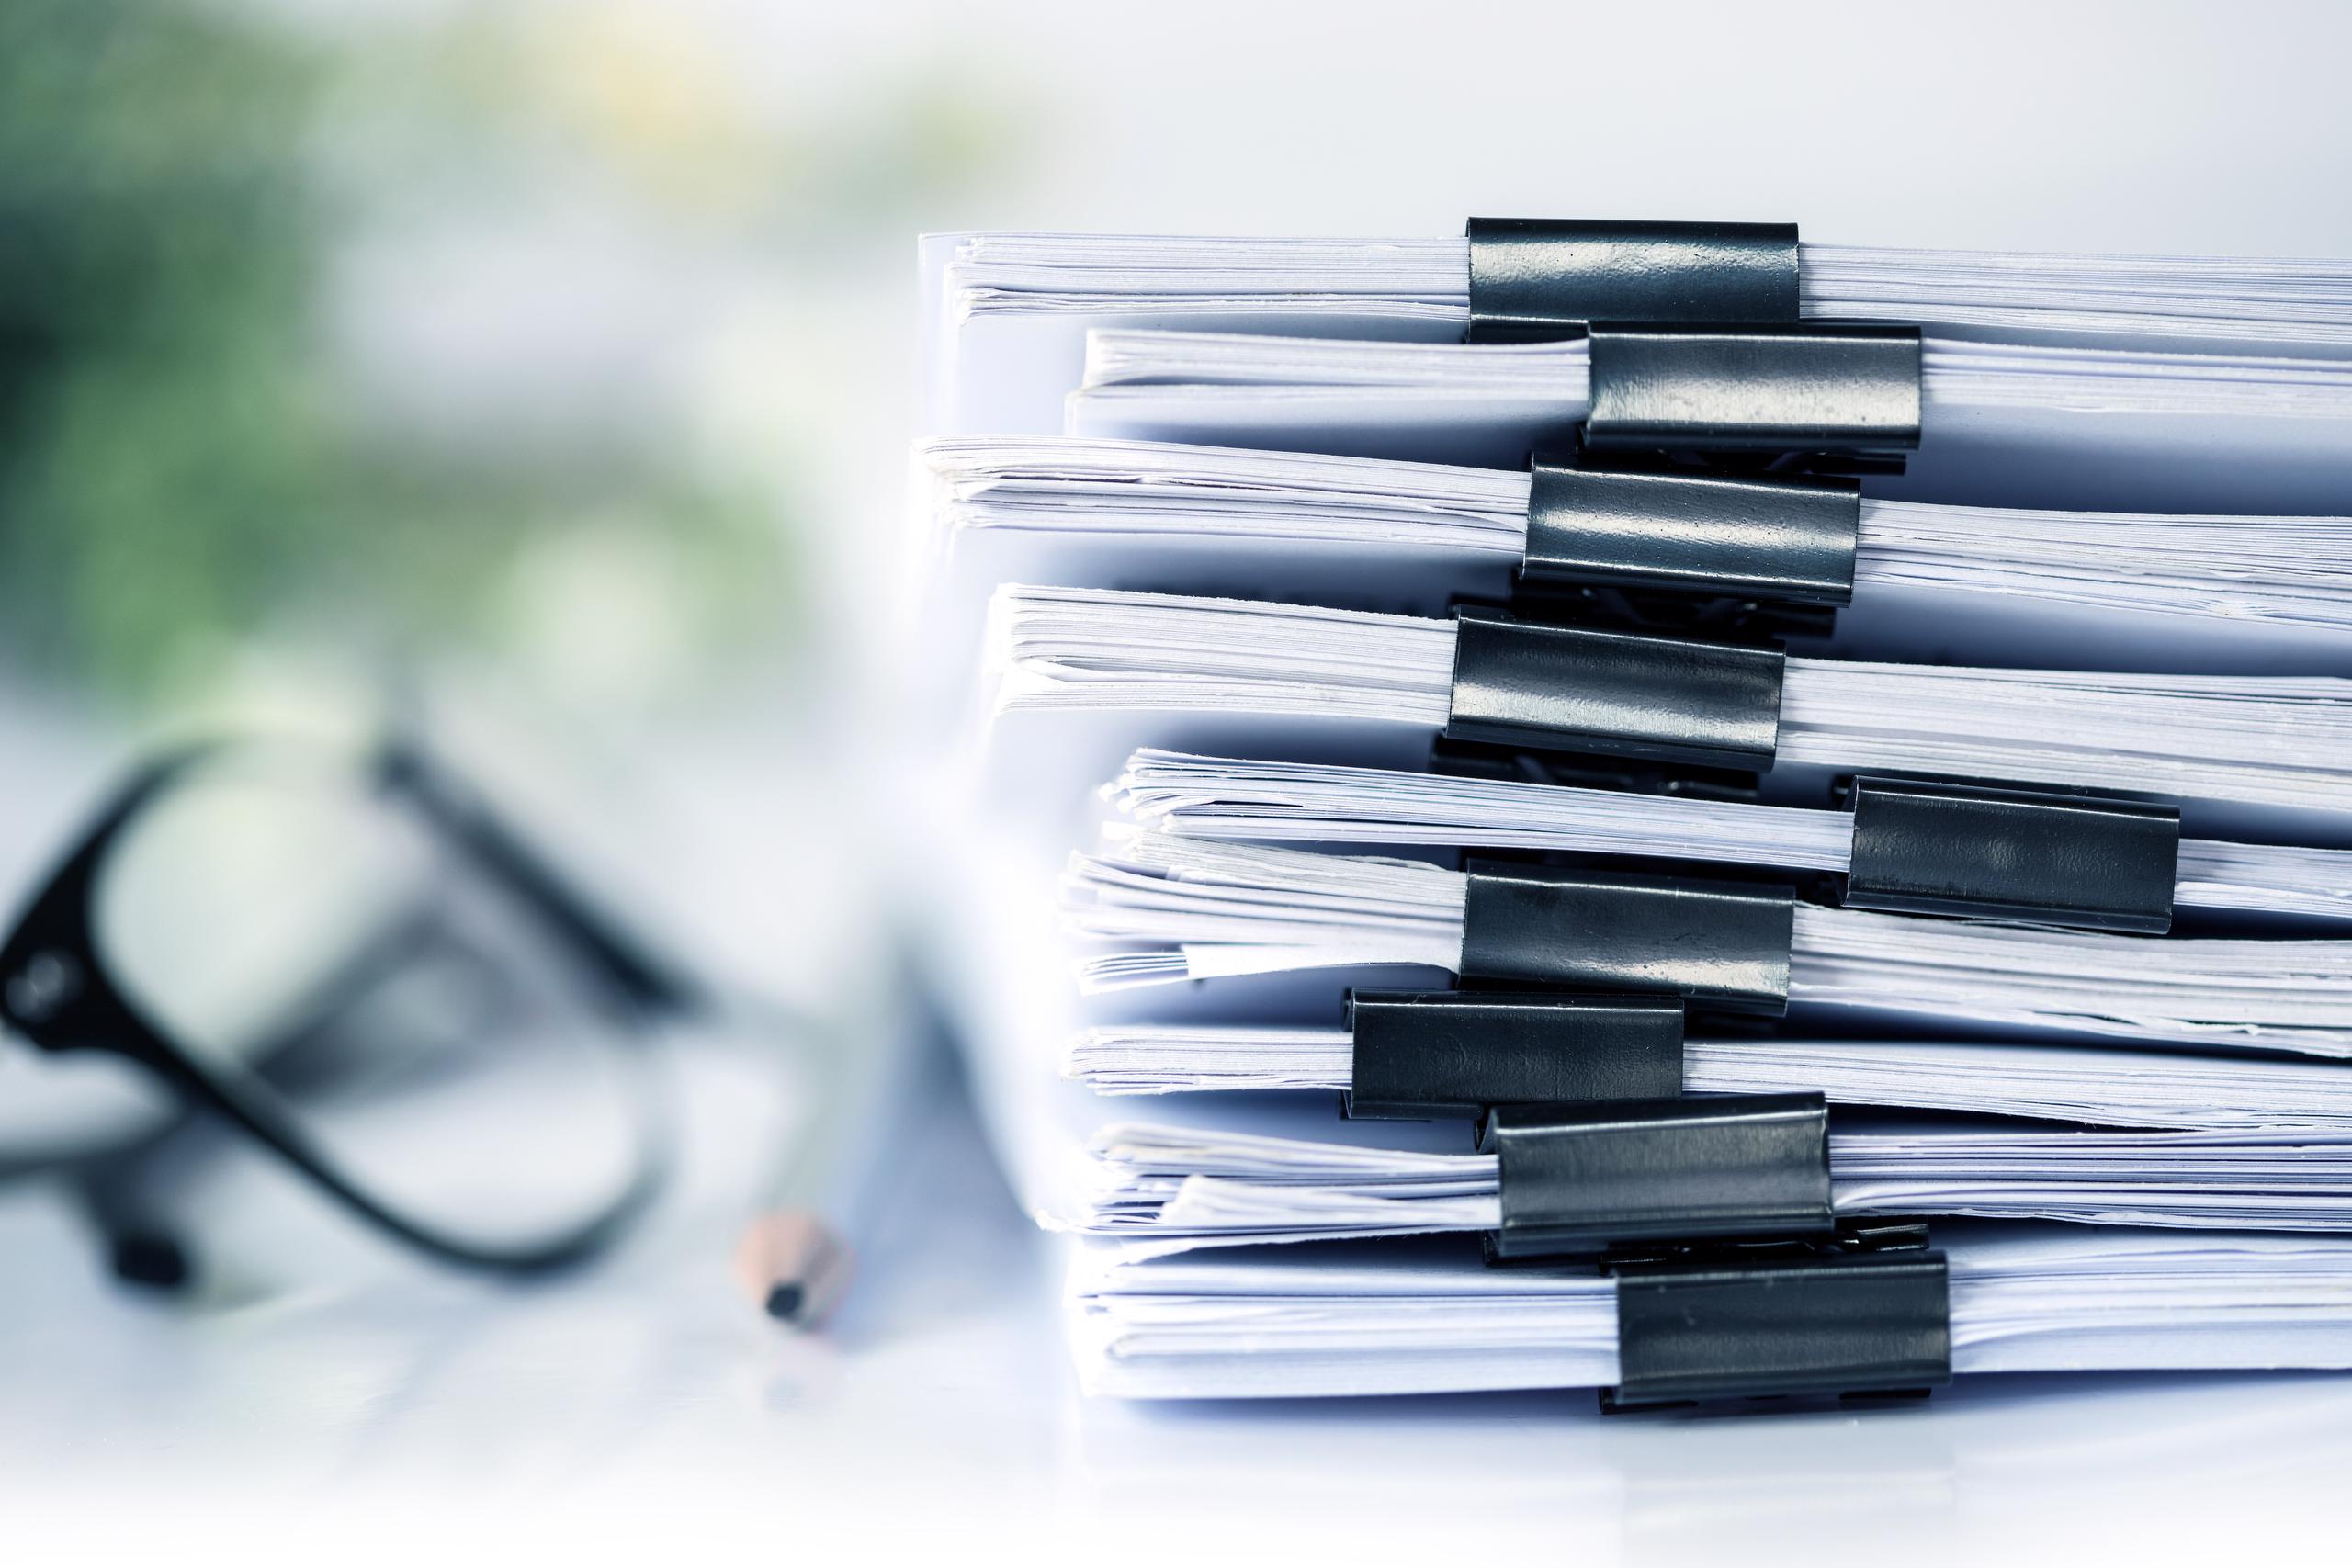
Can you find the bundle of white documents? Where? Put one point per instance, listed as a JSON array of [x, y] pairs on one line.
[[2113, 381], [1191, 597], [1174, 909], [1353, 284], [1999, 422], [1244, 800], [2099, 590], [1406, 1317], [1358, 685]]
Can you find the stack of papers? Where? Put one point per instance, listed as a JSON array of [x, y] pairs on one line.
[[2195, 343], [1423, 1317], [1167, 1189], [2274, 592], [2303, 304], [1182, 909], [2054, 1083], [1246, 801], [2052, 415], [2281, 741], [1192, 593]]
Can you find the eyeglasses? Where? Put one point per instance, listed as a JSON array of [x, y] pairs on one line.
[[354, 960]]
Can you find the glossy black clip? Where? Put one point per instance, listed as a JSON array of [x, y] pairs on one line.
[[1719, 943], [1423, 1054], [1853, 1235], [1534, 279], [1872, 1324], [2039, 856], [1582, 1179], [1755, 392], [1694, 532], [1474, 760], [1750, 620], [1620, 693]]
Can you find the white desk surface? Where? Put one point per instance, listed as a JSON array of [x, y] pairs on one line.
[[366, 1402]]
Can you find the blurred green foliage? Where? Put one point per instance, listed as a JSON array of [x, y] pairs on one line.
[[179, 468], [154, 250]]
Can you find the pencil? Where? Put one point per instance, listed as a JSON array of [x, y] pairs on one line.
[[796, 1259]]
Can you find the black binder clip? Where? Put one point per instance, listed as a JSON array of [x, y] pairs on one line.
[[1425, 1054], [1714, 942], [1536, 279], [1753, 621], [1850, 1239], [1517, 764], [1656, 699], [1582, 1179], [1711, 535], [1871, 1325], [1828, 397], [2036, 856]]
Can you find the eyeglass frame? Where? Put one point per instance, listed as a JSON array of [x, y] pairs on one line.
[[58, 993]]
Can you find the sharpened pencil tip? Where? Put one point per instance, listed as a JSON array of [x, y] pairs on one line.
[[793, 1267]]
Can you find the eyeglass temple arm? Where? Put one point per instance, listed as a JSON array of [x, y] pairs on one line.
[[651, 983], [145, 1245]]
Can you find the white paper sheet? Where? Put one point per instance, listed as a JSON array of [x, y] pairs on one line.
[[2233, 742], [1172, 910], [1408, 1317], [1163, 1188], [1245, 801], [2303, 303], [2057, 1083], [2029, 426], [1419, 289], [2262, 594]]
